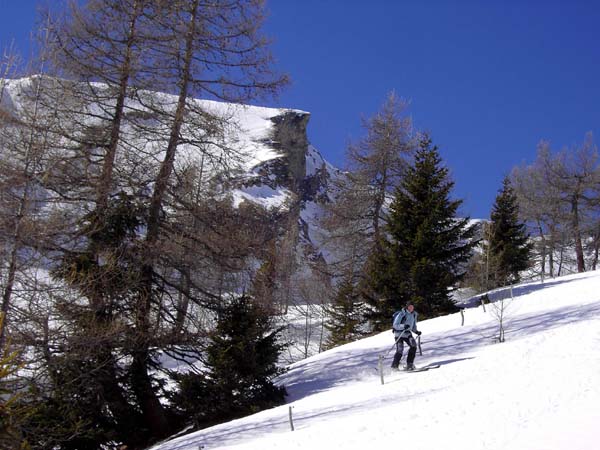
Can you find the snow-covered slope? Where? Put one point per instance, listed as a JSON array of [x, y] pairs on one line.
[[536, 391]]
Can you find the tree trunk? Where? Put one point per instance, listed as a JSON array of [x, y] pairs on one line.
[[543, 250], [8, 289], [596, 249], [125, 416], [551, 251], [123, 412], [152, 409], [183, 303], [577, 234], [23, 202], [115, 131], [376, 216], [560, 261]]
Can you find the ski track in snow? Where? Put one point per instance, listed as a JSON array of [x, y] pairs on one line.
[[537, 390]]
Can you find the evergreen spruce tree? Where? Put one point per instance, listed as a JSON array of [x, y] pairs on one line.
[[427, 246], [509, 246], [241, 364], [345, 315]]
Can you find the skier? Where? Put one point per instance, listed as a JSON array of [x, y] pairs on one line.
[[405, 323]]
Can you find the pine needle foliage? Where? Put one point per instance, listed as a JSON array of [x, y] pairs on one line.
[[510, 247], [427, 246], [241, 365], [345, 316]]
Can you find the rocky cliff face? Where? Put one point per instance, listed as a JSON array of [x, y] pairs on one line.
[[291, 140], [300, 171], [278, 165], [309, 177], [288, 139]]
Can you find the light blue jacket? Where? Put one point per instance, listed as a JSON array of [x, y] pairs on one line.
[[405, 318]]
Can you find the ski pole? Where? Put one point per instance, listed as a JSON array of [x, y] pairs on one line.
[[382, 357], [419, 344], [393, 345]]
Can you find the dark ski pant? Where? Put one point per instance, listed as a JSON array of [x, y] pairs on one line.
[[412, 351]]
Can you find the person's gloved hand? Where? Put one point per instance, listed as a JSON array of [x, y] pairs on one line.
[[418, 333], [406, 326]]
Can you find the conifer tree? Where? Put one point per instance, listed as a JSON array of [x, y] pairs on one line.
[[346, 315], [509, 245], [242, 362], [427, 245]]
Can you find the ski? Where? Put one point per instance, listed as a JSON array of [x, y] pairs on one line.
[[423, 369], [417, 369]]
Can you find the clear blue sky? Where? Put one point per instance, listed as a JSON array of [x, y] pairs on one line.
[[487, 79]]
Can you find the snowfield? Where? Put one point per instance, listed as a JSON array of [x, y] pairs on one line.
[[539, 390]]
